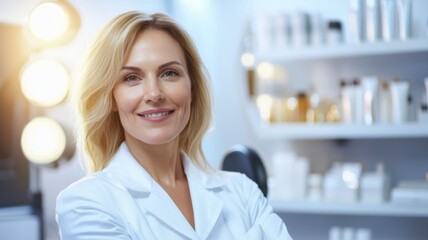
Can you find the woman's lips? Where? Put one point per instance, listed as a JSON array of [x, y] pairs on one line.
[[156, 115]]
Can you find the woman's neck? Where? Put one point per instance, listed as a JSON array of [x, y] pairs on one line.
[[162, 162]]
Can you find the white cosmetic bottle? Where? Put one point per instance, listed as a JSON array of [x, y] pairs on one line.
[[404, 19], [399, 95]]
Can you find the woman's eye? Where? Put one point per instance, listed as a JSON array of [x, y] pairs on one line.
[[131, 78], [169, 74]]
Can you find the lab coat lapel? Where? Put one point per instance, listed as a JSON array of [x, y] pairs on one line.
[[161, 206], [149, 195], [207, 206]]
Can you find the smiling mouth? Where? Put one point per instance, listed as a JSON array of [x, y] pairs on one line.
[[156, 115]]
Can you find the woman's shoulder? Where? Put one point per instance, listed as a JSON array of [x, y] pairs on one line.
[[94, 186]]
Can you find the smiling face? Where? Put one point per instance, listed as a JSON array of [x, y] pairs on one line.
[[153, 92]]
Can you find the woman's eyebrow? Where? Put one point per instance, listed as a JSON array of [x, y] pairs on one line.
[[169, 64], [132, 68]]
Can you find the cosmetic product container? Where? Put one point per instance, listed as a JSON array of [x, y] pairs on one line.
[[399, 94], [316, 29], [348, 102], [348, 233], [388, 13], [281, 30], [342, 182], [423, 111], [261, 27], [334, 34], [372, 20], [375, 186], [404, 8], [363, 234], [423, 114], [315, 187], [426, 88], [384, 102], [358, 111], [300, 28], [283, 172], [335, 233], [302, 107], [356, 20], [301, 179], [410, 193], [370, 87]]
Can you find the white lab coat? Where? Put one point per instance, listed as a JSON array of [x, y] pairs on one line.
[[124, 202]]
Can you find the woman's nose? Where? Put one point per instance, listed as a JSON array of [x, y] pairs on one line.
[[153, 92]]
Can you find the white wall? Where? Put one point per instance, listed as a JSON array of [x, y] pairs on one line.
[[217, 27]]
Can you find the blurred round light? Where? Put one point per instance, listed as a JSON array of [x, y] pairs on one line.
[[45, 82], [43, 140], [48, 21], [264, 104], [265, 70], [247, 60]]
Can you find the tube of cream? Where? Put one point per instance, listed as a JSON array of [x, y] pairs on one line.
[[404, 18], [356, 22], [426, 88], [388, 19], [370, 86], [399, 93], [372, 20]]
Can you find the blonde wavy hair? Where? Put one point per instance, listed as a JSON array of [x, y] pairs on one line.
[[100, 130]]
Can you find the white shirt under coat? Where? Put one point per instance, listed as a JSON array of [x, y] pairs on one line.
[[124, 202]]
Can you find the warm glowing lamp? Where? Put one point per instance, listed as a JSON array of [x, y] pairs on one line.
[[41, 22], [52, 23], [43, 140], [45, 82], [247, 60], [265, 70]]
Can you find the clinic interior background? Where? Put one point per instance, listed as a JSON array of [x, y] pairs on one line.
[[217, 28]]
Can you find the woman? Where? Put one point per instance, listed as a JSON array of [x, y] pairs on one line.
[[144, 107]]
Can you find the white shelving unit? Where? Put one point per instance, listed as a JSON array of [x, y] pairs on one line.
[[283, 131], [328, 55], [340, 131], [364, 209], [324, 52], [321, 68]]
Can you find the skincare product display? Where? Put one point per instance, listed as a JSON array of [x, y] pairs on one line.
[[289, 178], [371, 100], [410, 193], [367, 100], [349, 233], [380, 20], [295, 29]]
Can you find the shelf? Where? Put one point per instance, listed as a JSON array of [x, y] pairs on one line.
[[340, 131], [333, 208], [307, 131], [345, 51]]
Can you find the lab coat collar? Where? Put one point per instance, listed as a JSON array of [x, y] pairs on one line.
[[135, 178], [202, 184]]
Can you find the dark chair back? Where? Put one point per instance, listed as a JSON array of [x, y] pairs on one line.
[[245, 160]]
